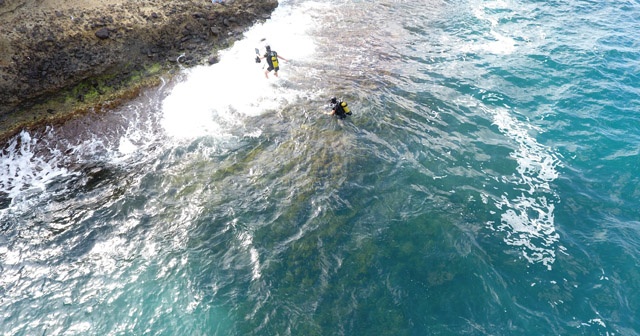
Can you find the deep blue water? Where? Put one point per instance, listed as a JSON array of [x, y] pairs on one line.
[[486, 183]]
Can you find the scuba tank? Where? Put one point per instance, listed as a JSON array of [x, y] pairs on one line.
[[274, 59], [345, 108]]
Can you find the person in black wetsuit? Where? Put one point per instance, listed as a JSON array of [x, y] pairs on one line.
[[272, 58], [339, 108]]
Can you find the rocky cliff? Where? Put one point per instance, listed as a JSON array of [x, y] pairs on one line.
[[48, 46]]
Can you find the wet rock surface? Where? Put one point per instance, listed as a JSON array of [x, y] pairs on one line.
[[49, 45]]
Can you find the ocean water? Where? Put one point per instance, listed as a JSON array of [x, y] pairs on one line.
[[487, 183]]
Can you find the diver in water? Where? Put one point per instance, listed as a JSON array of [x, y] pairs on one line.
[[272, 58], [339, 108]]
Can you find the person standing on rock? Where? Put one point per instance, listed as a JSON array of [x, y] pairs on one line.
[[272, 58]]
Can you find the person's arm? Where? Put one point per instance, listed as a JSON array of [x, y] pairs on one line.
[[333, 110], [282, 58]]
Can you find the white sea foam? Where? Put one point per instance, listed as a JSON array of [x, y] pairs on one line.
[[498, 40], [527, 217], [23, 171], [527, 208]]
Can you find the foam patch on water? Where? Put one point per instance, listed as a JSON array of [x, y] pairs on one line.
[[498, 40], [528, 215]]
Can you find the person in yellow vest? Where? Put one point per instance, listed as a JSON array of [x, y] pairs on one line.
[[339, 108], [273, 63]]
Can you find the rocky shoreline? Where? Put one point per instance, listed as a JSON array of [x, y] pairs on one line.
[[59, 58]]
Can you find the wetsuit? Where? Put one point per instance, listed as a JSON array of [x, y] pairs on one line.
[[339, 111]]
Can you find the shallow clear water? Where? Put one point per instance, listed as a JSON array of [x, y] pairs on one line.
[[486, 183]]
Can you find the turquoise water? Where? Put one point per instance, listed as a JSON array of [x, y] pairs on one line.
[[486, 184]]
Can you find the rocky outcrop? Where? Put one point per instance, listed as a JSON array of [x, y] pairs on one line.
[[49, 45]]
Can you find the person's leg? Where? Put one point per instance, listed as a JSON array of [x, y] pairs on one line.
[[266, 74]]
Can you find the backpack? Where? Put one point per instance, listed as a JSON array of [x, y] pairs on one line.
[[345, 107], [274, 58]]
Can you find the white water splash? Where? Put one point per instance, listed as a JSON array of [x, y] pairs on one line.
[[31, 161], [215, 100], [22, 171]]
